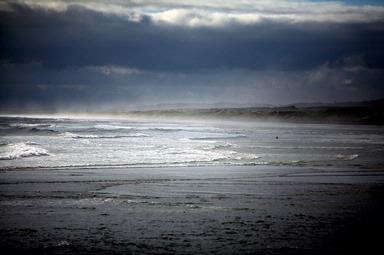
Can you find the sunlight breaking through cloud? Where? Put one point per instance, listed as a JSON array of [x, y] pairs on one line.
[[217, 13]]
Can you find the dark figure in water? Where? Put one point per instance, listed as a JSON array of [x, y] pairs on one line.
[[277, 137]]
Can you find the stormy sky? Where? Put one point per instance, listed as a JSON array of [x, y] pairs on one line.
[[73, 55]]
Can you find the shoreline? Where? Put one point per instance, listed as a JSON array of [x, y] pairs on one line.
[[298, 165], [331, 115], [224, 210]]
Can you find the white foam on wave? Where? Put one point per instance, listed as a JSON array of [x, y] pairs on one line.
[[20, 150], [87, 136], [247, 156], [120, 127], [347, 157], [135, 135], [29, 125], [213, 145], [73, 135], [157, 128], [218, 136], [112, 127], [274, 163]]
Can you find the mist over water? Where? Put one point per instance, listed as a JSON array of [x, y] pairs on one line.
[[77, 143]]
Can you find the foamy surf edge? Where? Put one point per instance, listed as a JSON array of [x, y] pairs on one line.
[[347, 157], [22, 150], [88, 136]]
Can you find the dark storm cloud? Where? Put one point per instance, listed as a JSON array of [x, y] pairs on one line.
[[83, 57], [80, 37]]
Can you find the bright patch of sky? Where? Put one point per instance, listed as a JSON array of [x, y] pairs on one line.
[[357, 2]]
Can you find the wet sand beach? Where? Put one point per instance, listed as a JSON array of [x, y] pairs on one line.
[[191, 210]]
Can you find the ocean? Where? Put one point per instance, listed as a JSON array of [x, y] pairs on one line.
[[58, 142], [161, 186]]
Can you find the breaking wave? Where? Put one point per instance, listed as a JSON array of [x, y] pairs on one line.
[[347, 157], [73, 135], [28, 128], [156, 128], [112, 127], [218, 136], [21, 150], [29, 125], [219, 145], [87, 136]]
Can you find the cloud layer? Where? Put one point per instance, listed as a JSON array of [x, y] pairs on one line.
[[214, 13], [148, 52]]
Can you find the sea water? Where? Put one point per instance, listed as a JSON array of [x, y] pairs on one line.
[[91, 143]]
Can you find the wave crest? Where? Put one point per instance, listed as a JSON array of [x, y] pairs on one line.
[[347, 157], [21, 150], [87, 136]]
